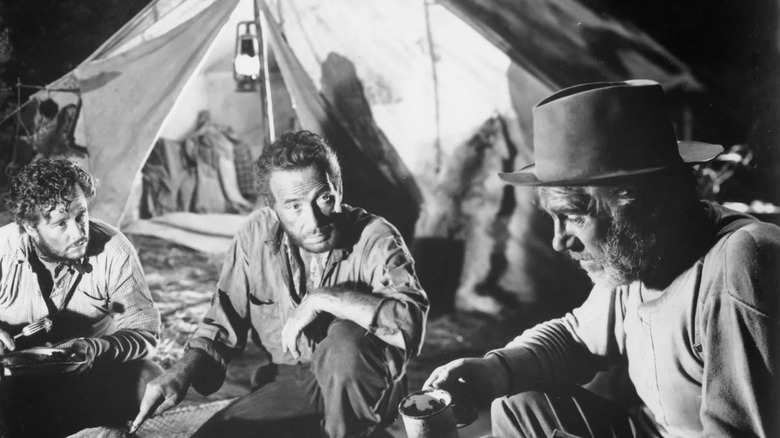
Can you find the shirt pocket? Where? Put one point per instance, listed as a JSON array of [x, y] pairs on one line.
[[266, 317]]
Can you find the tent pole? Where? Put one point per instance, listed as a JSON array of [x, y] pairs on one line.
[[265, 80]]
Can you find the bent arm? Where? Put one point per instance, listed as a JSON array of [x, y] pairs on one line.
[[222, 334], [398, 303], [357, 307], [567, 350], [136, 319]]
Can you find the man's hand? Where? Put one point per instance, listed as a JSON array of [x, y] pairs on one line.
[[304, 314], [483, 379], [6, 342], [163, 393], [84, 348]]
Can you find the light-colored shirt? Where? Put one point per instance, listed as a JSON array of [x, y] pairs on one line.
[[111, 301], [702, 353], [256, 291]]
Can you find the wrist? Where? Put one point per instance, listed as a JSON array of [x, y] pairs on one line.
[[97, 346], [502, 378], [323, 301]]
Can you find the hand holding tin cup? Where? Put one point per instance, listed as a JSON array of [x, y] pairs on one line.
[[428, 414], [431, 413]]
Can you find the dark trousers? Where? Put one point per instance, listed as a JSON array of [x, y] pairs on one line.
[[569, 412], [348, 390], [57, 405]]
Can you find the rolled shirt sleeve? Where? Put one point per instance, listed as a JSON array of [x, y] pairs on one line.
[[135, 324], [223, 332], [404, 305]]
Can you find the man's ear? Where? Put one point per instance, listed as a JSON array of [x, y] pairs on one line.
[[29, 228]]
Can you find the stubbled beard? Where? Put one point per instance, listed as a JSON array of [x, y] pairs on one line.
[[626, 256], [46, 252]]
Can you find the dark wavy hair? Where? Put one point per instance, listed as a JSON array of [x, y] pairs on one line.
[[42, 185], [295, 150]]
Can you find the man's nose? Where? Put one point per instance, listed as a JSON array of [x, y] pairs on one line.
[[77, 230], [563, 239], [315, 218]]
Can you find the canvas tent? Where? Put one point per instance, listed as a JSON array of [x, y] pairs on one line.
[[424, 102]]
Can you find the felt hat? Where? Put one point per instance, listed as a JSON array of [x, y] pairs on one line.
[[595, 133]]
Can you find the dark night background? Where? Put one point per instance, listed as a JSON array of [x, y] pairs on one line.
[[731, 46]]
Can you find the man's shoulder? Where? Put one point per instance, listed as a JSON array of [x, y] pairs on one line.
[[10, 236], [743, 262], [10, 231], [742, 235], [105, 239], [365, 225], [261, 222]]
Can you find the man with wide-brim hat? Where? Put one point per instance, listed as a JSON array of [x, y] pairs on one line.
[[685, 291]]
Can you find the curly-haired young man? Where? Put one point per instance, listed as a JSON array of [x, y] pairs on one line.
[[58, 263]]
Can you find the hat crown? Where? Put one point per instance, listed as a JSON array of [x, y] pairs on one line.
[[603, 129]]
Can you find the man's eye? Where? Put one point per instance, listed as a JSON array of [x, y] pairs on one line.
[[575, 219], [294, 206], [327, 198]]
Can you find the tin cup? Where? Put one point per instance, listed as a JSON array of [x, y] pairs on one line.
[[428, 414]]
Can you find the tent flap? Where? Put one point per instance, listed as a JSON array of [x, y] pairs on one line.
[[126, 99]]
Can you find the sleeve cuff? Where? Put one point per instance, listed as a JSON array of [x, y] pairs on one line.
[[510, 378], [208, 347], [523, 368], [375, 327]]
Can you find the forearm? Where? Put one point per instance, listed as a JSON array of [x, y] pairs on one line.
[[546, 355], [124, 346], [201, 370], [360, 308]]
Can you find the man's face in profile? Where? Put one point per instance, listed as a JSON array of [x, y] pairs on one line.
[[307, 204], [611, 251]]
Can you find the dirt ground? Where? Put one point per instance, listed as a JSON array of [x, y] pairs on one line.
[[182, 281]]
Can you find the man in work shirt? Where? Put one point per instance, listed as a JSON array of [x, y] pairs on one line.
[[685, 291], [85, 277], [327, 291]]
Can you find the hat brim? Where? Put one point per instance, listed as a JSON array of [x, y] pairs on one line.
[[691, 152]]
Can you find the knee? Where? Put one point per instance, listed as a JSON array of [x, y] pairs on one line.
[[511, 415], [348, 352]]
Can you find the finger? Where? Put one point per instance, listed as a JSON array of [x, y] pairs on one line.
[[285, 329], [442, 378], [436, 376], [151, 399], [165, 405], [290, 339], [432, 378], [6, 342]]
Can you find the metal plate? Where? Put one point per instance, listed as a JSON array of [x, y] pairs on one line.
[[40, 360]]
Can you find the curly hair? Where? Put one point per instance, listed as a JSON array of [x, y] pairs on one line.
[[42, 185], [295, 150]]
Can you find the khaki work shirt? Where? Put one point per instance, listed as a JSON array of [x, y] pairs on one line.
[[256, 293]]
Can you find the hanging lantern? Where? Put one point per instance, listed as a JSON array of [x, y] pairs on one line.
[[246, 63]]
